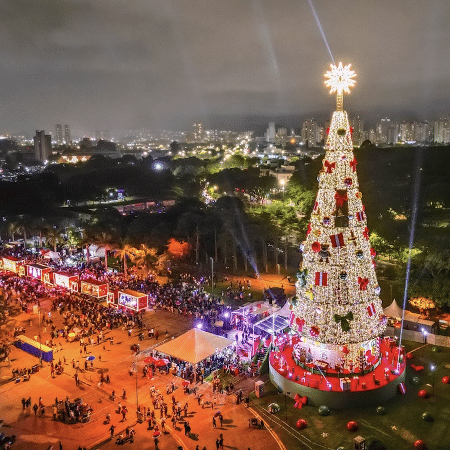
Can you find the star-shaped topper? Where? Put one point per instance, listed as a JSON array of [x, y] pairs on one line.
[[340, 80]]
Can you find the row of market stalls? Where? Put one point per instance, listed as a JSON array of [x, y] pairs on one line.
[[411, 321], [125, 298]]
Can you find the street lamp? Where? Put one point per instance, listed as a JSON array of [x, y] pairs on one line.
[[433, 371], [212, 273], [282, 182], [425, 334], [286, 393]]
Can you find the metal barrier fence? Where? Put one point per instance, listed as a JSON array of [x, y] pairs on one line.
[[417, 336]]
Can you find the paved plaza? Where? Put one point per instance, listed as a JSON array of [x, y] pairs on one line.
[[36, 432]]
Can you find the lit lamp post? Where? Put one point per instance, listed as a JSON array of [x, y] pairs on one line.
[[425, 334], [433, 371], [282, 182], [212, 274]]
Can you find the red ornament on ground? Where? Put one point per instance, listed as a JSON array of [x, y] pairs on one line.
[[446, 380], [423, 393], [409, 356], [301, 424], [352, 426], [420, 445]]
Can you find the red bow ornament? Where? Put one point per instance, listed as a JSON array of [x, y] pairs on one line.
[[329, 166], [363, 283], [366, 233], [340, 199], [314, 331], [353, 163]]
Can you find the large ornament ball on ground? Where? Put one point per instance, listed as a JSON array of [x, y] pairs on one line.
[[446, 380], [352, 426], [427, 417], [420, 445], [324, 410], [381, 410], [436, 349], [423, 393], [415, 380], [409, 356], [301, 424]]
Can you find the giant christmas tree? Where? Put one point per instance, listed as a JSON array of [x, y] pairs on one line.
[[337, 312]]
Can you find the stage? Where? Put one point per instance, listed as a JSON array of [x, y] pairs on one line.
[[338, 390]]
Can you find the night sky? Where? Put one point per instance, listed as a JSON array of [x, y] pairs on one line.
[[110, 64]]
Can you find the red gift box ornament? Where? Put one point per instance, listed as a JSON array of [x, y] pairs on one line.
[[366, 233], [329, 166], [360, 216], [363, 283], [373, 253], [321, 279], [340, 199], [353, 164], [300, 322], [314, 331], [371, 310], [337, 240]]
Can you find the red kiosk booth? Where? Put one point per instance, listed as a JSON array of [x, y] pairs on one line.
[[38, 271], [66, 280], [132, 300], [94, 288], [12, 263]]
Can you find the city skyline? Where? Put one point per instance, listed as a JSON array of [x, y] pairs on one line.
[[109, 65]]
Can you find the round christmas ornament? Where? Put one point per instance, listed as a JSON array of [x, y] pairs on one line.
[[350, 217], [360, 254], [348, 182], [435, 349], [423, 393], [317, 232], [377, 290], [315, 246], [359, 195], [301, 424], [381, 410], [341, 131], [427, 417], [324, 410], [326, 221], [343, 276], [415, 380], [352, 426], [445, 380], [420, 445], [409, 356]]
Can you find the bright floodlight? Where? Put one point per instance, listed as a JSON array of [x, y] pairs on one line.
[[158, 166], [432, 367], [199, 326]]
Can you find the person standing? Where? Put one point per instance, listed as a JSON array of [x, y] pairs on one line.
[[214, 422], [221, 440], [111, 430]]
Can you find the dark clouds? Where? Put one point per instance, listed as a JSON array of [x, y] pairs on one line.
[[143, 63]]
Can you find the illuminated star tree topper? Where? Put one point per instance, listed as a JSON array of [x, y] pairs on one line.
[[340, 80]]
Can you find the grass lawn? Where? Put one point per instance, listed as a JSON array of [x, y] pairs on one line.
[[398, 429]]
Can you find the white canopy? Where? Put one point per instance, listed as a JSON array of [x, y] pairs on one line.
[[96, 251], [194, 346], [393, 310], [52, 255]]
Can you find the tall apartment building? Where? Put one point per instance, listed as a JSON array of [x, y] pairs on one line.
[[312, 132], [442, 130], [67, 134], [59, 135], [359, 135], [271, 133], [42, 145]]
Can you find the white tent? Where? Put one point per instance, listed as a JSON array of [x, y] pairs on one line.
[[96, 252], [52, 255], [194, 346], [393, 310]]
